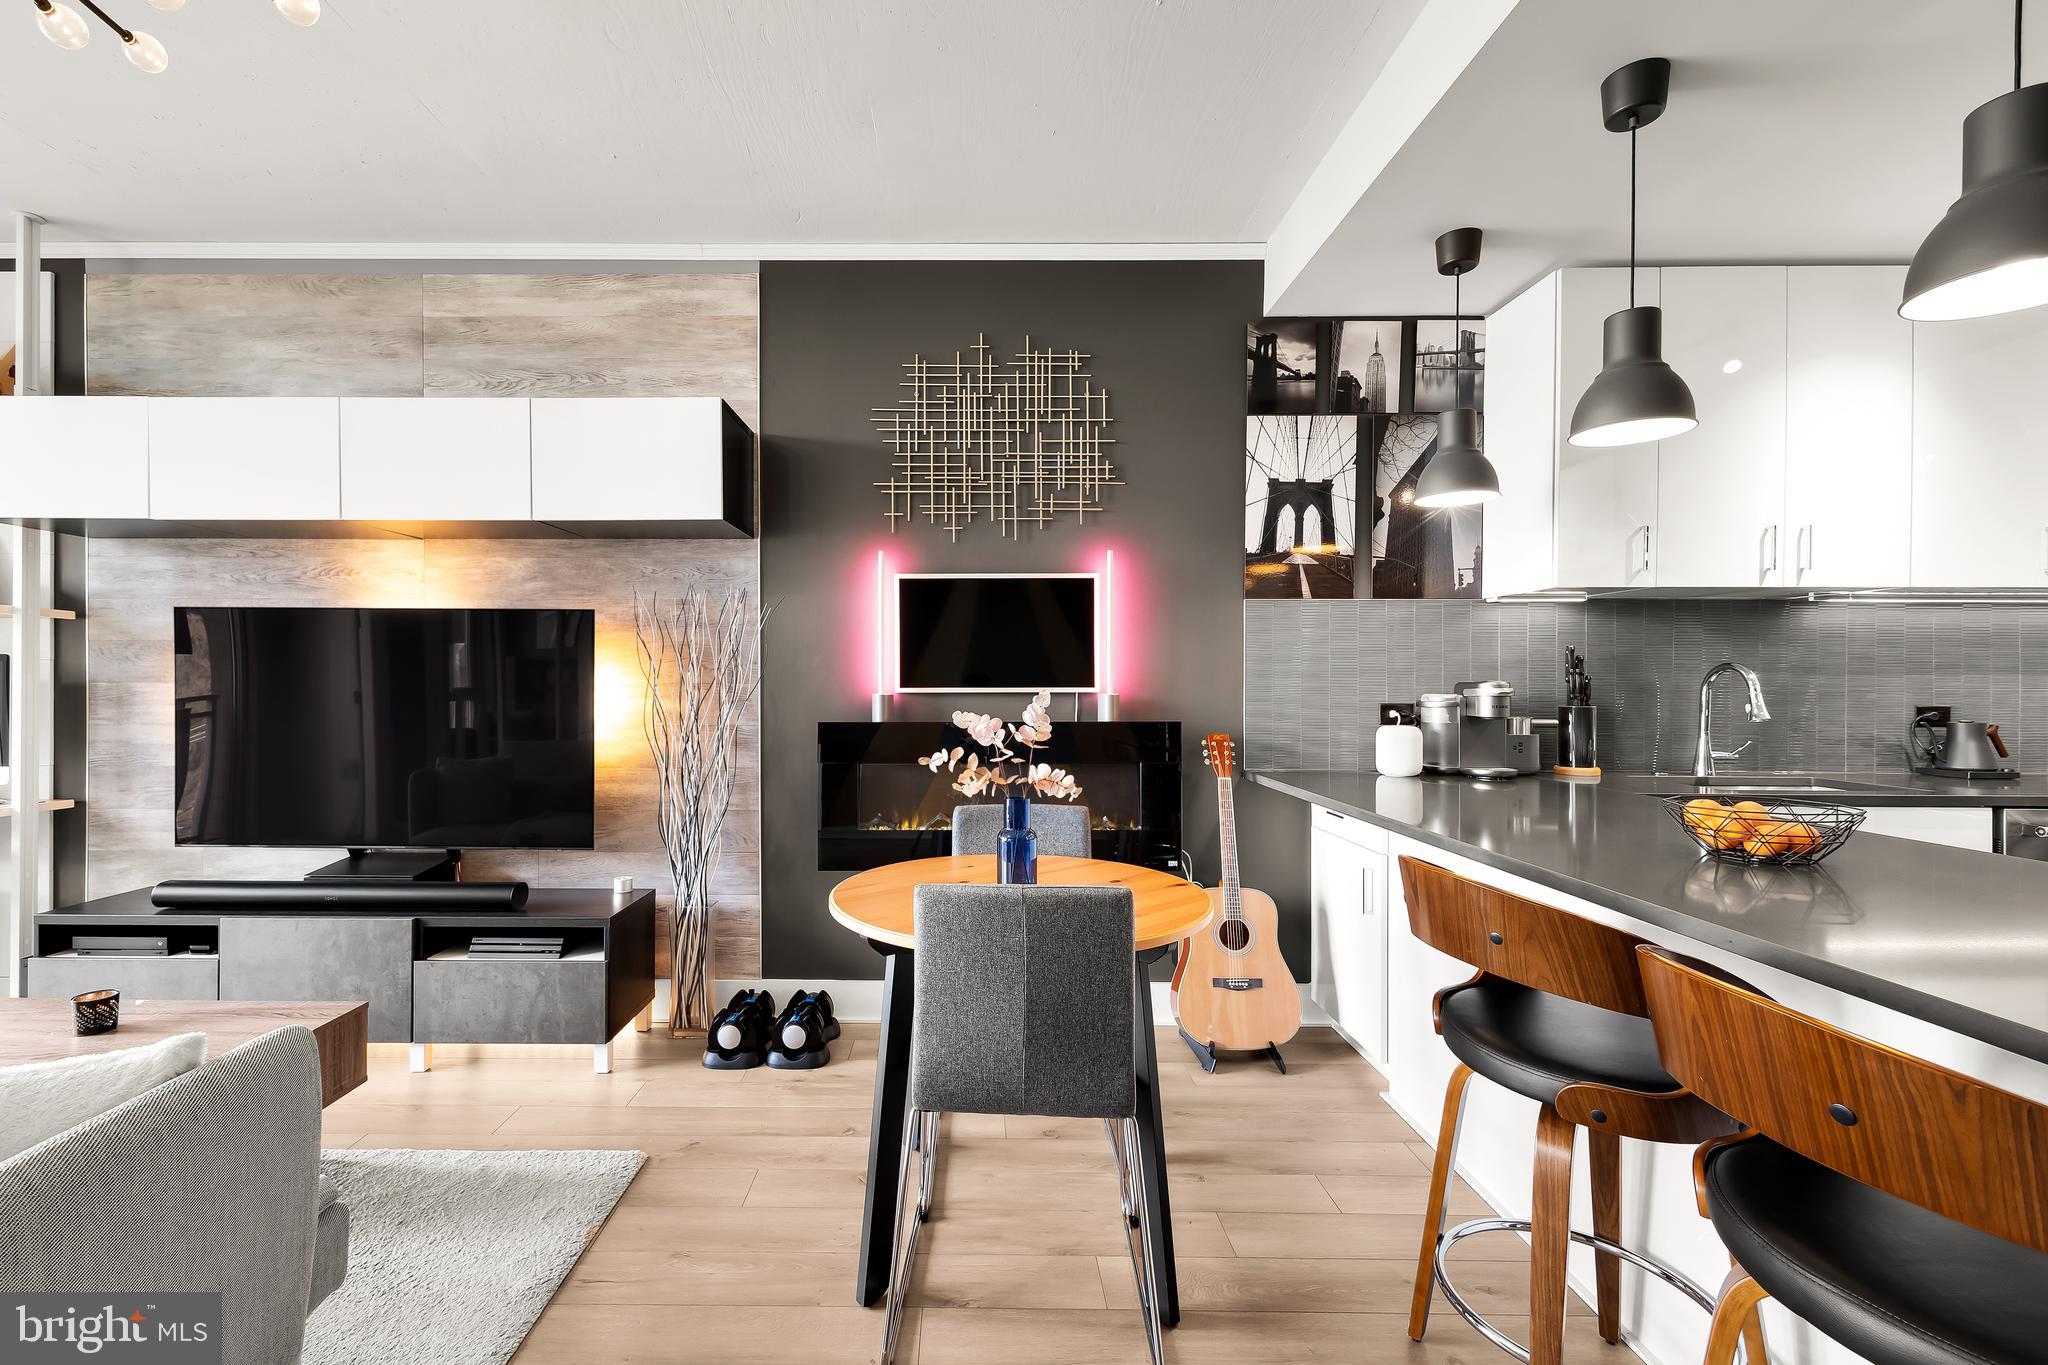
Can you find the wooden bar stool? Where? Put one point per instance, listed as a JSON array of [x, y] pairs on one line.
[[1556, 1013], [1898, 1206]]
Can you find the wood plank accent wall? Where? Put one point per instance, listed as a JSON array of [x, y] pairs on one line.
[[443, 334]]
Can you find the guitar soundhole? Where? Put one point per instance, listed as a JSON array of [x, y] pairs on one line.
[[1235, 935]]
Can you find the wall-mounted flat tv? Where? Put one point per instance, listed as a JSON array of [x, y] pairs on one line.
[[996, 632], [384, 727]]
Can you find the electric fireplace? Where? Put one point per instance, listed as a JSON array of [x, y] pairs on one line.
[[876, 805]]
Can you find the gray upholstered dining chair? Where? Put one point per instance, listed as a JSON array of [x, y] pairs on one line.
[[1024, 1004], [1062, 830]]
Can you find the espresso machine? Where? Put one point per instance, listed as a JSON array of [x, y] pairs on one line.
[[1471, 732]]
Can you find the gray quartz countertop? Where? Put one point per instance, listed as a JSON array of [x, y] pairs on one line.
[[1952, 936]]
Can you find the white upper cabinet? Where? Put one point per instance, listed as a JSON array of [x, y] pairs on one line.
[[1848, 428], [436, 459], [1980, 481], [244, 459], [1607, 532], [1567, 517], [1521, 417], [74, 458], [1720, 486], [635, 460]]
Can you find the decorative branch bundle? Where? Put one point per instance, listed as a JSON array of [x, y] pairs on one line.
[[700, 656]]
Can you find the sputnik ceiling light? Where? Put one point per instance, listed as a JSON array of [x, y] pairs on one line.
[[1989, 253], [1458, 475], [63, 26], [1636, 397]]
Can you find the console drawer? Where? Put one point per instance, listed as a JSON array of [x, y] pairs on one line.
[[137, 978], [540, 1000]]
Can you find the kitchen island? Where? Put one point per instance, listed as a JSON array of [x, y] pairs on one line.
[[1938, 951]]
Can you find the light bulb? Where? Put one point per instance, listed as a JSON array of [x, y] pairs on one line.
[[304, 13], [145, 53], [168, 5], [62, 26]]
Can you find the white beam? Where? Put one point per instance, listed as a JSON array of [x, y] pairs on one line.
[[29, 361], [656, 251], [1441, 43]]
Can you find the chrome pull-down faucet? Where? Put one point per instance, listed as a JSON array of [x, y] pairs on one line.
[[1704, 754]]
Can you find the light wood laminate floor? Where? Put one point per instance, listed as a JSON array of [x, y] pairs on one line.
[[1297, 1200]]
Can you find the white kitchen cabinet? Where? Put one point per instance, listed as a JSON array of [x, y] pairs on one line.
[[1720, 486], [1521, 421], [74, 457], [436, 459], [1848, 428], [1607, 532], [1348, 869], [1567, 517], [627, 461], [1980, 484], [214, 460]]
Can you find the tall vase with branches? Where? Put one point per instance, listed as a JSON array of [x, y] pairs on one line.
[[701, 660]]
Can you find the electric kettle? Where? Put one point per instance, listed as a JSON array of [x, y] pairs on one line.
[[1964, 748]]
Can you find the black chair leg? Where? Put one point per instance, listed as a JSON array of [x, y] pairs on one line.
[[886, 1134]]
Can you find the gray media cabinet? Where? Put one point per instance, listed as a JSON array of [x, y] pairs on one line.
[[411, 965]]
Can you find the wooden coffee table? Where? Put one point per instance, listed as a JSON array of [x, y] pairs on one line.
[[43, 1030]]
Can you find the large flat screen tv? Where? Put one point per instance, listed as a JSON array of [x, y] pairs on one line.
[[996, 632], [384, 727]]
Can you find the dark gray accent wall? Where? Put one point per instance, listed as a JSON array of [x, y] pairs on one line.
[[1840, 680], [1165, 339]]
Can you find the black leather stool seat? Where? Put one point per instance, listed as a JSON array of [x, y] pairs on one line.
[[1536, 1044], [1887, 1279]]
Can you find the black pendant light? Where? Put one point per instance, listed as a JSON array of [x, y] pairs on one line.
[[1458, 475], [1989, 253], [1636, 396]]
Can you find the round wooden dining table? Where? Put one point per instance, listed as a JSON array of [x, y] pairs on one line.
[[880, 905]]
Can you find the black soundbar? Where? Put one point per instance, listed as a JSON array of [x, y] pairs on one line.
[[441, 898]]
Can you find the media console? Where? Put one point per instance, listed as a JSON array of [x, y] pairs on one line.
[[410, 962]]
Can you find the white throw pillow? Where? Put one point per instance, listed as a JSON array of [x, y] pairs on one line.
[[39, 1100]]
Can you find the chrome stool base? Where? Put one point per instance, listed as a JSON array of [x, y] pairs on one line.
[[1501, 1339]]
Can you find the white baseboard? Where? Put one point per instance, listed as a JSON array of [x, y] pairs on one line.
[[862, 1000]]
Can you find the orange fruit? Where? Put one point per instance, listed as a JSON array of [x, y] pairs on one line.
[[1744, 819], [1776, 838], [1704, 818], [1719, 826]]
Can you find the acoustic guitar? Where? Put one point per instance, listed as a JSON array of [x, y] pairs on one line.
[[1231, 989]]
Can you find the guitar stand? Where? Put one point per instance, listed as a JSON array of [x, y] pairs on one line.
[[1206, 1053]]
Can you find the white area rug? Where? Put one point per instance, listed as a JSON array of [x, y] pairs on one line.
[[453, 1255]]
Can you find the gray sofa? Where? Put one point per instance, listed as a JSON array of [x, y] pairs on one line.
[[208, 1182]]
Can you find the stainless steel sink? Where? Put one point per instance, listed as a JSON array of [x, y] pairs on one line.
[[1760, 788], [1765, 784]]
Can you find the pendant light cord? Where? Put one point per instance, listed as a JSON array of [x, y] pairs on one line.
[[1631, 213], [2019, 15]]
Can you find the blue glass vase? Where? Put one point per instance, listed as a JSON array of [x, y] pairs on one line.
[[1017, 846]]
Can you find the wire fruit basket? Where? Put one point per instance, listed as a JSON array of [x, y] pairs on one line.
[[1773, 833]]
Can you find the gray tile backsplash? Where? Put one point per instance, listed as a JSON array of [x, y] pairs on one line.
[[1841, 681]]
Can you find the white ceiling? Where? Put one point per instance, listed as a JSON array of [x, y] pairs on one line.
[[688, 121], [1808, 130]]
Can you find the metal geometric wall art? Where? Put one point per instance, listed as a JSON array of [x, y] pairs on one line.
[[1016, 443]]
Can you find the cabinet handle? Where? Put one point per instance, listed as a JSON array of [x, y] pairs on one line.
[[1807, 537], [1645, 529], [1770, 567]]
